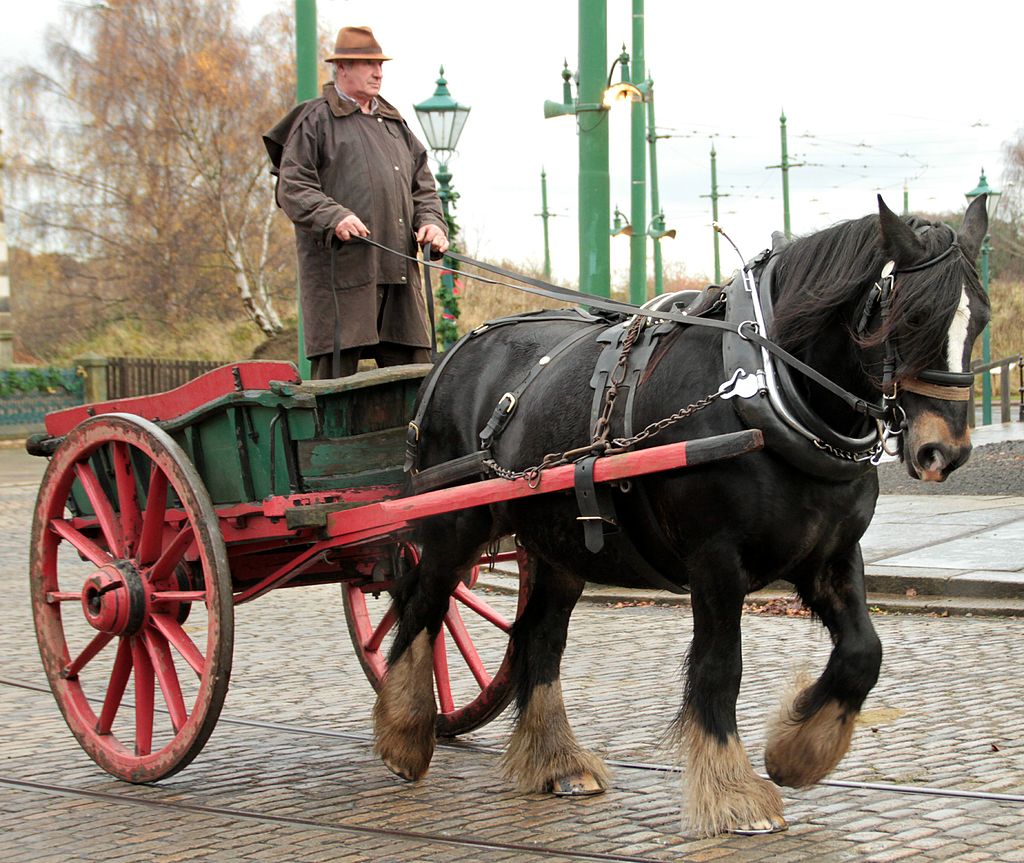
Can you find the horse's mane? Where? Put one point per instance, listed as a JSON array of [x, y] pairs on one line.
[[820, 276]]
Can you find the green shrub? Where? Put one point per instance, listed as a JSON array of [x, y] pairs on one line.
[[41, 379]]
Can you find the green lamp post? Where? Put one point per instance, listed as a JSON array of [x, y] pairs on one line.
[[307, 87], [443, 119], [592, 131], [983, 188]]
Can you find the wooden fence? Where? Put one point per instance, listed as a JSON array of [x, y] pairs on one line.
[[1002, 372], [137, 376]]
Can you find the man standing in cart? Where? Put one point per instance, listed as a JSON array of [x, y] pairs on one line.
[[350, 167]]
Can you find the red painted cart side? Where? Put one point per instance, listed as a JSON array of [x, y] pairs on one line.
[[238, 377]]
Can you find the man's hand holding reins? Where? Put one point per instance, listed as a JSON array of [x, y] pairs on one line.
[[435, 236], [349, 227]]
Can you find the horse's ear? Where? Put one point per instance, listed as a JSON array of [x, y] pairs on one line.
[[974, 228], [898, 239]]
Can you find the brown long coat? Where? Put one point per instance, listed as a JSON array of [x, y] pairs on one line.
[[335, 160]]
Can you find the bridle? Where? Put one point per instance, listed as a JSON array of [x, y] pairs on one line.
[[932, 383]]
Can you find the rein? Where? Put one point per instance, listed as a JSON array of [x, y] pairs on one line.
[[746, 330], [889, 417]]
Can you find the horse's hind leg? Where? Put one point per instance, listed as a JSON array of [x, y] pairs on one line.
[[720, 789], [815, 725], [405, 713], [543, 754]]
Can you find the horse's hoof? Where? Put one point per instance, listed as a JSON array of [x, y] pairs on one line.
[[403, 772], [760, 827], [576, 785]]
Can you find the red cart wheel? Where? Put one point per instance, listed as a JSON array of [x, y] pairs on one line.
[[472, 668], [130, 582]]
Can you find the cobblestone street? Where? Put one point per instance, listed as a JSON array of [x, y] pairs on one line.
[[289, 774]]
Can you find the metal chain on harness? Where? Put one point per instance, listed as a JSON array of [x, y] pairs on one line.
[[662, 424], [600, 443], [602, 427]]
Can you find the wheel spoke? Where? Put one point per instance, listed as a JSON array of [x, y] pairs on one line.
[[115, 688], [80, 542], [166, 675], [441, 676], [172, 555], [385, 626], [171, 630], [474, 602], [143, 698], [101, 506], [127, 497], [70, 671], [456, 626], [153, 518]]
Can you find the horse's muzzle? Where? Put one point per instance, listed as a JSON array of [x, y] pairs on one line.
[[935, 460]]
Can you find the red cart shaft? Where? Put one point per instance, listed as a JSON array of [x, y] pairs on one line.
[[378, 519]]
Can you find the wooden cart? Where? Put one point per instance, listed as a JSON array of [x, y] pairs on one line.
[[158, 515]]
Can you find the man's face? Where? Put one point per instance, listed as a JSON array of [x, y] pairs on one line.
[[360, 79]]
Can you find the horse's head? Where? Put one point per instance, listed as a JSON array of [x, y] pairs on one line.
[[938, 309]]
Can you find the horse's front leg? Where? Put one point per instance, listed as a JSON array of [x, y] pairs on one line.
[[721, 792], [543, 754], [405, 714], [814, 727]]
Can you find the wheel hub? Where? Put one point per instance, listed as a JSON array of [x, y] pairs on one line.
[[114, 599]]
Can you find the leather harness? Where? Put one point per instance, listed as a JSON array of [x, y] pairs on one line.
[[791, 427]]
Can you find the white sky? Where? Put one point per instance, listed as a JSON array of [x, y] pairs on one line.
[[875, 93]]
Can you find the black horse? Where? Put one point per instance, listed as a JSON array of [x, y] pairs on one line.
[[879, 303]]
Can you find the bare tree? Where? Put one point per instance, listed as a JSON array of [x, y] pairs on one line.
[[139, 155]]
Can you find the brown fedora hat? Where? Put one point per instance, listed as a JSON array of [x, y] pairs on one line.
[[356, 43]]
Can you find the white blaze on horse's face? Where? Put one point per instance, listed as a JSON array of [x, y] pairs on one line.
[[956, 341]]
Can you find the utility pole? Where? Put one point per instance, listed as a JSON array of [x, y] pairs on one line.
[[906, 199], [545, 214], [307, 79], [785, 165], [638, 191], [714, 196]]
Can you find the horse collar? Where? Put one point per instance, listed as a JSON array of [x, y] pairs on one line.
[[792, 428]]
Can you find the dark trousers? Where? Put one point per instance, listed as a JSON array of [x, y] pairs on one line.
[[385, 353]]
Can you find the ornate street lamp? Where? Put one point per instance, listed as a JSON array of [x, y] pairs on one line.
[[983, 188], [442, 119]]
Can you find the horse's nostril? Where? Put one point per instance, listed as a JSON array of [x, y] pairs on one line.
[[932, 456], [936, 457]]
